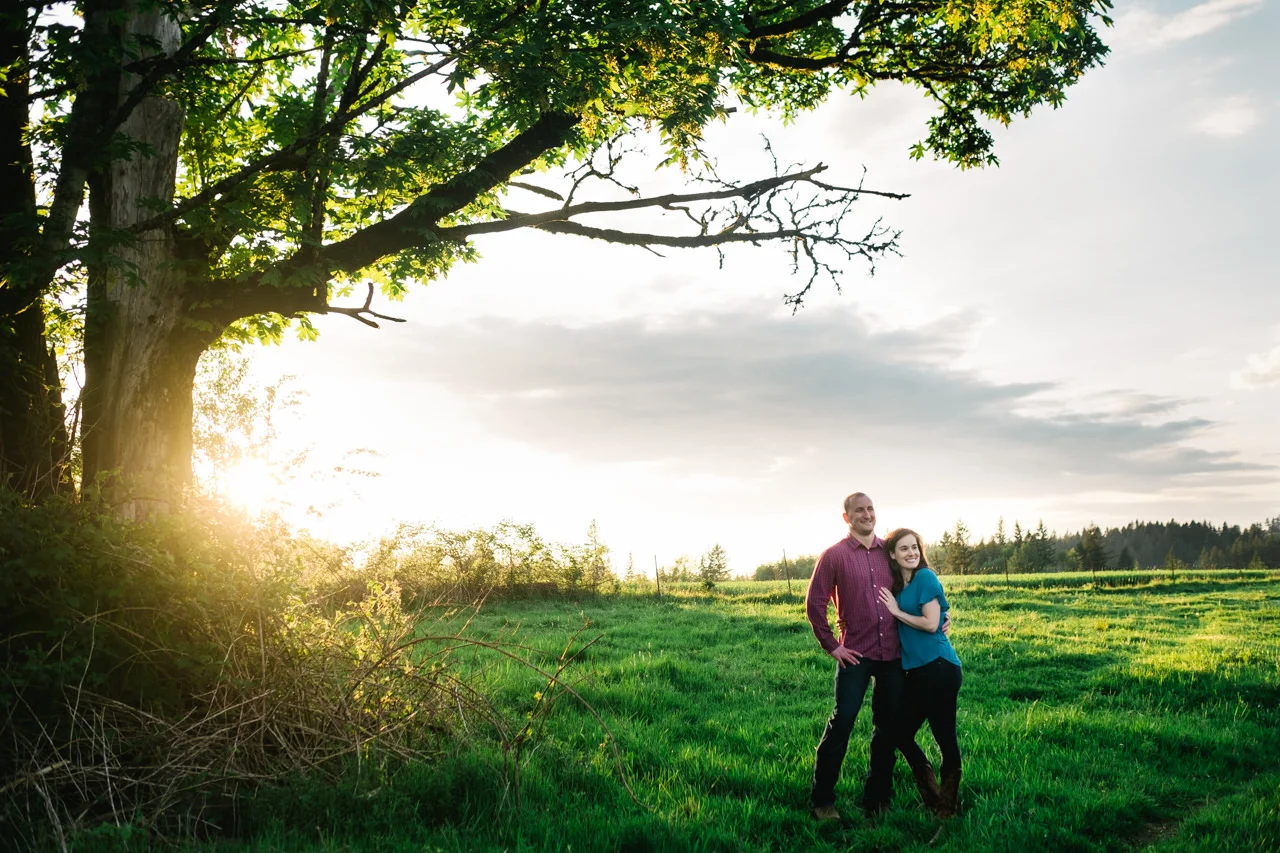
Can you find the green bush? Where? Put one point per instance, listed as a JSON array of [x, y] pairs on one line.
[[509, 561], [150, 671]]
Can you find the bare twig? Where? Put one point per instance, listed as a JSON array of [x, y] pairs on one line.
[[361, 312]]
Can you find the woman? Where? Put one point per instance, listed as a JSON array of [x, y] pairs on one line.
[[931, 664]]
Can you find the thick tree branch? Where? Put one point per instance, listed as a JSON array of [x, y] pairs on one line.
[[826, 11], [417, 223], [764, 56], [299, 284]]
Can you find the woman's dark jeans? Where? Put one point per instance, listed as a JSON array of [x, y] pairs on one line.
[[930, 694]]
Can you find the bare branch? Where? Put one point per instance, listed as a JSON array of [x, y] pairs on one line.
[[359, 313], [697, 241], [542, 191], [671, 201], [793, 207], [613, 149]]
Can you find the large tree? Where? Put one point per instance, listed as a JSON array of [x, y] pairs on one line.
[[249, 162]]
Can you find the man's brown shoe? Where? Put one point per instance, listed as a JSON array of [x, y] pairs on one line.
[[825, 813]]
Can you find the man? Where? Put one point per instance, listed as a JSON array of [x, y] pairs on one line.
[[851, 571]]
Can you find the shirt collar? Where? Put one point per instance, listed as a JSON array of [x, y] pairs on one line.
[[876, 542]]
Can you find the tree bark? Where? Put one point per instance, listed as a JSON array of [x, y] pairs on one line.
[[33, 440], [141, 346]]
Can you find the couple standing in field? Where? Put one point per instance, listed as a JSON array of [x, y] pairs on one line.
[[891, 612]]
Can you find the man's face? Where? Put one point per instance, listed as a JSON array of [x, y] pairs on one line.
[[862, 520]]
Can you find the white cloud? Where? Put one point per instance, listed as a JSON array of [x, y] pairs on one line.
[[1262, 369], [730, 393], [1235, 116], [1144, 29]]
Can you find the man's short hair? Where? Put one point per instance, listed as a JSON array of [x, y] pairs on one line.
[[848, 502]]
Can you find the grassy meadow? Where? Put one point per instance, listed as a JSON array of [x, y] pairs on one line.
[[1139, 715]]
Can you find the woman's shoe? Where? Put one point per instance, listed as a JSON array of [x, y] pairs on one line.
[[927, 785], [949, 804]]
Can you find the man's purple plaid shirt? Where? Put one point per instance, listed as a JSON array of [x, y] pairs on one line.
[[851, 573]]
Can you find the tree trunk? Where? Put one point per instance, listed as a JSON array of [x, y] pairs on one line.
[[33, 442], [33, 439], [141, 348]]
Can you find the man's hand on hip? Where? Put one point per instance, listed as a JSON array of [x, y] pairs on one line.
[[845, 656]]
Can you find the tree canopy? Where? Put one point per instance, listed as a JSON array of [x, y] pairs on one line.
[[251, 163]]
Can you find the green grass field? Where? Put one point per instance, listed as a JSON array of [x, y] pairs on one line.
[[1143, 715]]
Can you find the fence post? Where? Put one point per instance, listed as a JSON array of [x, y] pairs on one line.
[[786, 573], [657, 575]]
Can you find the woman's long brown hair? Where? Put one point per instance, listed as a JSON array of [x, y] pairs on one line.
[[899, 580]]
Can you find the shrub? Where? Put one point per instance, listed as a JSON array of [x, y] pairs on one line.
[[432, 565], [152, 670]]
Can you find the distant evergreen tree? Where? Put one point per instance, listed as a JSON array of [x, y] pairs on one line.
[[1072, 560], [1015, 557], [1093, 553], [941, 551], [1038, 552], [1217, 558], [1125, 560], [959, 556], [989, 556], [713, 567]]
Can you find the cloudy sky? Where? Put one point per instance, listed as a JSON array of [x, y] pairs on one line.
[[1090, 332]]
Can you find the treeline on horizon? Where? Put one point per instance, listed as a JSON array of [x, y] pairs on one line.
[[1139, 544]]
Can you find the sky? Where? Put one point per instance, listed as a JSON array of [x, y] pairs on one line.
[[1088, 333]]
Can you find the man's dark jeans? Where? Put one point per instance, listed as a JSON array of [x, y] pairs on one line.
[[886, 708]]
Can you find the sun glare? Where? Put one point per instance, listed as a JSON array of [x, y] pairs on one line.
[[249, 485]]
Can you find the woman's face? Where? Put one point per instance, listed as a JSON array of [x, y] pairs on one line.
[[907, 552]]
